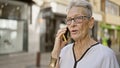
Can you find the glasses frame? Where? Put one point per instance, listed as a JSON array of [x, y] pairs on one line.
[[77, 20]]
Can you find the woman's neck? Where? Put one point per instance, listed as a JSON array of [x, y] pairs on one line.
[[86, 42]]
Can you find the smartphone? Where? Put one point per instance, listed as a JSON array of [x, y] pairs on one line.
[[66, 35]]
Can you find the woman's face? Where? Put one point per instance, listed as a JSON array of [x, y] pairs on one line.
[[79, 26]]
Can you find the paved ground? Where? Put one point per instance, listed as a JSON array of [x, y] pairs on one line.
[[24, 60]]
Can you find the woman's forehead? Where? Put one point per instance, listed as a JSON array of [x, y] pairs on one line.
[[74, 11]]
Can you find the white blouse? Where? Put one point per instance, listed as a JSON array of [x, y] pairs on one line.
[[98, 56]]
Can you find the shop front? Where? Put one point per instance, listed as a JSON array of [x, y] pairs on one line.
[[13, 27]]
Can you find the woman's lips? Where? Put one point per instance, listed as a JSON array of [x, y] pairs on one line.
[[73, 31]]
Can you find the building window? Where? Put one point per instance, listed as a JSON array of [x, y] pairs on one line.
[[13, 26], [111, 8]]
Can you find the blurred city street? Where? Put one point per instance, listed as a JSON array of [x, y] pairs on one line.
[[29, 26]]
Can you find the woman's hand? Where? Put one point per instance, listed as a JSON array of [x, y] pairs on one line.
[[59, 43]]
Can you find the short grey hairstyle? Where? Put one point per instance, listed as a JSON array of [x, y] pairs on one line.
[[81, 3]]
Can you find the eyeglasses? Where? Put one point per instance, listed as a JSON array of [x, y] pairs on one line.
[[77, 20]]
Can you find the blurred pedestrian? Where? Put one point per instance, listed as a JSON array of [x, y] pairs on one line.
[[109, 42], [84, 52]]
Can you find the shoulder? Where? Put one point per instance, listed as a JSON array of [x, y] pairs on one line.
[[66, 49], [107, 56], [104, 51]]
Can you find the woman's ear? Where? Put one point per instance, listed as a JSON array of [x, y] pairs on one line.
[[91, 22]]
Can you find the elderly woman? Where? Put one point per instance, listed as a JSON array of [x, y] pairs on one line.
[[84, 52]]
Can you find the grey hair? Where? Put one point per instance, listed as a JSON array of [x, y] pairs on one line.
[[81, 3]]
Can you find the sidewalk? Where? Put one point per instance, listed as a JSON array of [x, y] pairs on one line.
[[45, 59], [24, 60]]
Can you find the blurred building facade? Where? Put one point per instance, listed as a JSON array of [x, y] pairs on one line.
[[109, 27], [31, 25]]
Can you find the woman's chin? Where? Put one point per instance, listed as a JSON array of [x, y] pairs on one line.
[[74, 37]]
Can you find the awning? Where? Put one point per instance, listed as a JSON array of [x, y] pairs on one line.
[[109, 26]]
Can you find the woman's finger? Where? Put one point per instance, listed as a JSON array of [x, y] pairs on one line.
[[59, 35], [60, 32]]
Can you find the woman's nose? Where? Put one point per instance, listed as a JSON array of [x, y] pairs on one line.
[[73, 22]]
